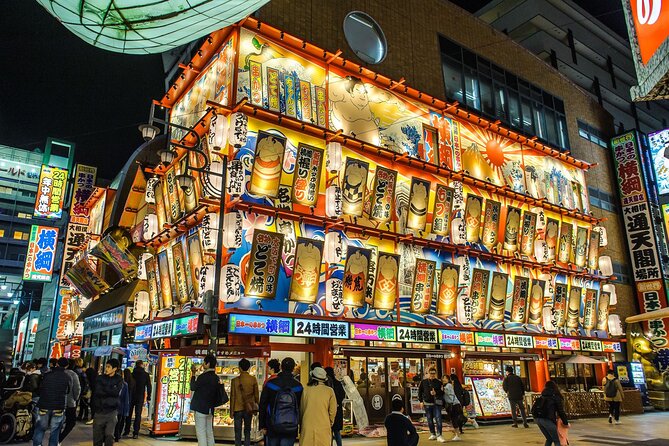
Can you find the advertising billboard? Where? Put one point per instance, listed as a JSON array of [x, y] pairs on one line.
[[51, 192], [41, 254]]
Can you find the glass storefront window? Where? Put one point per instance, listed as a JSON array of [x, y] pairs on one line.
[[472, 89]]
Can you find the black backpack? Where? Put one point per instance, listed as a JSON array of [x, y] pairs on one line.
[[285, 416], [466, 399], [610, 389], [539, 408], [221, 395]]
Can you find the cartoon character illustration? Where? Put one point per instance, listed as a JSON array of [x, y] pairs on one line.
[[355, 278], [266, 174], [473, 218], [385, 290], [304, 286], [646, 354], [448, 290], [420, 193]]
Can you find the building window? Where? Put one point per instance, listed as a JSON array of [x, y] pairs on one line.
[[2, 232], [480, 85], [602, 200], [18, 235], [622, 273], [592, 134]]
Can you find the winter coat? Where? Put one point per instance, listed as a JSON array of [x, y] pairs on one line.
[[83, 380], [124, 401], [91, 376], [619, 388], [318, 409], [142, 382], [53, 390], [31, 383], [242, 389], [75, 388], [340, 395], [107, 393], [449, 395], [283, 380], [514, 387], [553, 406], [426, 385], [205, 392]]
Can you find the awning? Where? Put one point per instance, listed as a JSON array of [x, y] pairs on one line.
[[113, 299]]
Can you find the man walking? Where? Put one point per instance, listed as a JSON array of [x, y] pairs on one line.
[[431, 395], [105, 401], [72, 397], [51, 405], [205, 390], [279, 413], [243, 402], [515, 391], [142, 383]]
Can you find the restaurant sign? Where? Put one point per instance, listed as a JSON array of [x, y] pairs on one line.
[[187, 325], [453, 337], [260, 325], [41, 254], [50, 192], [569, 344], [521, 341], [489, 340], [611, 347], [142, 332], [591, 345], [419, 335], [162, 329], [545, 343], [320, 329], [367, 332]]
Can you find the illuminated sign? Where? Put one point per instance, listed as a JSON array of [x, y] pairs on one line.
[[41, 254], [161, 329], [521, 341], [545, 343], [456, 337], [611, 347], [104, 321], [569, 344], [187, 325], [420, 335], [142, 332], [260, 325], [367, 332], [590, 345], [489, 340], [651, 26], [320, 329], [84, 183], [51, 192]]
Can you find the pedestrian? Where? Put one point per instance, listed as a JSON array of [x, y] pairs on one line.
[[244, 399], [105, 403], [340, 395], [453, 407], [91, 376], [546, 410], [32, 380], [318, 408], [515, 392], [613, 395], [53, 392], [273, 369], [205, 388], [465, 400], [42, 365], [53, 363], [123, 412], [3, 375], [85, 394], [400, 430], [279, 413], [72, 397], [142, 383], [431, 395]]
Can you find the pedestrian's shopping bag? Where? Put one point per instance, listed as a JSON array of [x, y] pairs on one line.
[[563, 433]]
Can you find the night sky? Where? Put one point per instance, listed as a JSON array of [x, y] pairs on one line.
[[54, 84]]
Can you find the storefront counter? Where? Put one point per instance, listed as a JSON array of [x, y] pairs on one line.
[[591, 404]]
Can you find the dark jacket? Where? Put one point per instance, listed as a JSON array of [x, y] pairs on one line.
[[142, 382], [426, 385], [91, 376], [107, 393], [31, 383], [283, 380], [340, 394], [553, 406], [83, 380], [205, 391], [514, 387], [53, 389], [124, 401], [401, 431]]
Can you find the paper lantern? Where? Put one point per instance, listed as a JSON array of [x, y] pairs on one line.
[[333, 201], [238, 130], [548, 319], [218, 132], [150, 191], [141, 265], [541, 251], [334, 296], [333, 157], [465, 310], [230, 290], [541, 218], [611, 289], [458, 231], [549, 289], [236, 180], [140, 306], [232, 230], [213, 183], [206, 280], [334, 250], [615, 325], [209, 231], [150, 228], [606, 266], [465, 270], [603, 236]]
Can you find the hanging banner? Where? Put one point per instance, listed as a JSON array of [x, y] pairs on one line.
[[356, 273], [179, 264], [574, 307], [74, 238], [165, 279], [85, 279], [593, 250], [307, 176], [263, 267], [283, 226], [581, 247], [479, 292], [171, 193], [371, 276], [50, 192], [273, 89], [564, 249], [527, 233], [236, 180], [423, 286], [383, 195], [418, 202], [188, 196], [560, 305], [267, 164], [195, 261], [590, 309], [448, 289], [111, 251], [519, 300], [535, 311], [491, 224], [84, 183], [307, 113], [473, 208], [386, 286], [151, 278], [160, 205], [255, 82], [603, 311], [551, 237], [497, 296], [307, 270], [41, 254], [441, 212], [511, 229], [354, 185]]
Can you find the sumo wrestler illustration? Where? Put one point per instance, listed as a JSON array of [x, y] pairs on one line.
[[355, 182], [473, 218], [306, 275], [420, 194], [534, 315], [448, 290], [511, 229], [497, 297], [267, 164], [385, 287], [355, 277]]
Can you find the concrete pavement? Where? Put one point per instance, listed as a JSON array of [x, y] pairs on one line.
[[651, 429]]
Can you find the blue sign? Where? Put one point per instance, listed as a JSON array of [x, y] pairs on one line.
[[260, 325], [142, 332], [309, 328]]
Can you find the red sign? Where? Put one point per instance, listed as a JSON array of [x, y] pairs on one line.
[[651, 23]]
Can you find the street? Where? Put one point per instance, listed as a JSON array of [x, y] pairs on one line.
[[645, 430]]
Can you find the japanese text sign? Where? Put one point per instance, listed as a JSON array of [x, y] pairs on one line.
[[489, 340], [520, 341], [260, 325], [545, 343], [366, 332], [419, 335], [142, 332], [41, 254], [456, 337], [51, 192], [161, 329], [611, 347], [308, 328], [591, 345], [630, 180], [187, 325], [569, 344], [84, 183]]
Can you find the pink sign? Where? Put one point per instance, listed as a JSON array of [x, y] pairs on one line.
[[366, 332], [569, 344]]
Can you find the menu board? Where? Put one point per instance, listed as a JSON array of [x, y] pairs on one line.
[[173, 373], [491, 397]]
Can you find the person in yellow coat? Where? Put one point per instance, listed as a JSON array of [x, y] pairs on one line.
[[318, 409]]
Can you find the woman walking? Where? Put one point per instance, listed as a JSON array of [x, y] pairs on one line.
[[613, 395], [465, 401], [340, 394], [453, 406], [318, 409], [546, 410]]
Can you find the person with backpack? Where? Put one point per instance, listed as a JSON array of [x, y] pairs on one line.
[[206, 396], [243, 402], [514, 387], [340, 395], [279, 414], [453, 407], [465, 400], [273, 369], [53, 392], [318, 408], [400, 429], [613, 395], [142, 383], [546, 410], [431, 396]]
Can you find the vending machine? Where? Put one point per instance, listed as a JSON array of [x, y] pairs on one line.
[[631, 375]]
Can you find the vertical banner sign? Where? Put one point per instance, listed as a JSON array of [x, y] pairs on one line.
[[173, 203], [255, 77], [590, 309], [491, 224], [84, 183], [559, 304], [305, 101], [160, 205], [418, 202], [354, 185], [41, 254], [307, 270], [289, 88], [564, 249], [519, 300], [371, 276], [511, 229], [263, 267], [423, 286], [165, 279], [273, 89], [473, 208], [154, 292], [195, 262], [307, 174], [581, 247], [449, 281], [321, 116], [179, 263], [285, 227], [267, 164], [574, 307], [641, 238], [603, 311], [441, 213], [551, 236], [74, 238], [497, 296], [356, 273], [479, 292], [527, 233], [383, 195], [535, 311], [50, 192], [386, 286], [593, 250]]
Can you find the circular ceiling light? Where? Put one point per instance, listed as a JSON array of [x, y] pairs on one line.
[[365, 37]]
